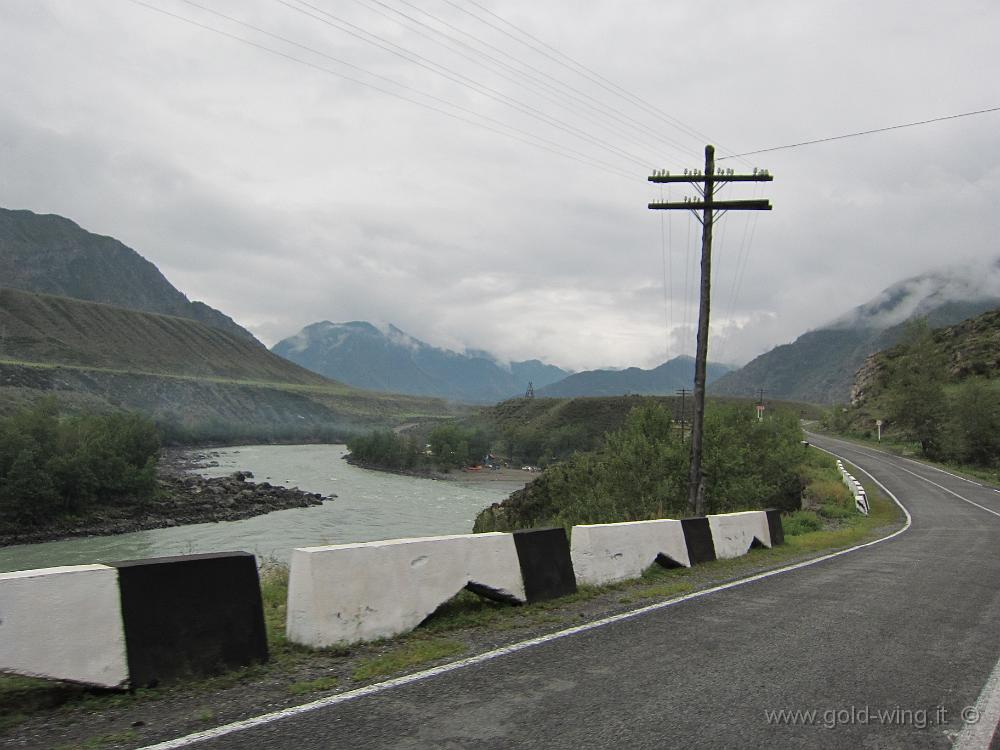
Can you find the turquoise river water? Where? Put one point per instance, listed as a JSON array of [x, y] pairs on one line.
[[369, 505]]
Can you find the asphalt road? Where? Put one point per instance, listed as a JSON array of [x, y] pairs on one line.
[[909, 627]]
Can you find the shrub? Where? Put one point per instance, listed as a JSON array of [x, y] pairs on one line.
[[641, 472], [801, 522], [52, 466], [386, 449]]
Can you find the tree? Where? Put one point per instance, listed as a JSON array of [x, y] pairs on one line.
[[973, 427], [914, 380]]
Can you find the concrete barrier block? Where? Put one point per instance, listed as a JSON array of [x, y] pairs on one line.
[[608, 552], [346, 593], [543, 556], [191, 615], [733, 534], [776, 532], [698, 539], [63, 624]]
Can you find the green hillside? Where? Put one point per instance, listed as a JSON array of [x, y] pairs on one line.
[[546, 430], [49, 329], [199, 382], [819, 366], [937, 392], [967, 351], [660, 381]]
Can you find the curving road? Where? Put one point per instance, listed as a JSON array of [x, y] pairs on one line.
[[887, 644]]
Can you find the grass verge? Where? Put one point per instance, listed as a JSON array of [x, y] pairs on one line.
[[414, 652]]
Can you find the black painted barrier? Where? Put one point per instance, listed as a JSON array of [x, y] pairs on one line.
[[698, 538], [546, 566], [191, 615], [774, 527]]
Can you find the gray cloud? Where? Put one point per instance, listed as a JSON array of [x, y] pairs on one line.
[[284, 196]]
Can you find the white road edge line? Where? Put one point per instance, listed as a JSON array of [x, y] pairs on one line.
[[921, 464], [381, 687], [925, 479], [979, 734], [950, 492]]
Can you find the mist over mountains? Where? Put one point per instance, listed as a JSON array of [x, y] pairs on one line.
[[362, 355], [51, 255], [664, 380], [820, 365]]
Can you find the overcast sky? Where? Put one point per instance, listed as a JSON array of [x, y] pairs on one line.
[[283, 194]]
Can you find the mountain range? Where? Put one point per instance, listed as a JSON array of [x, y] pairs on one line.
[[664, 380], [820, 365], [360, 354], [130, 319], [90, 321]]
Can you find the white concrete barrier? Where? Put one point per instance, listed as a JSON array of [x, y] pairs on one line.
[[135, 623], [733, 534], [347, 593], [609, 552], [64, 624], [856, 488]]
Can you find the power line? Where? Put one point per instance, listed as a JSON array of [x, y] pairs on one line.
[[742, 256], [863, 132], [582, 70], [539, 87], [554, 148], [384, 44], [687, 279], [577, 95], [666, 292]]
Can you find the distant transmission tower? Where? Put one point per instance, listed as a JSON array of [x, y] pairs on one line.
[[530, 393]]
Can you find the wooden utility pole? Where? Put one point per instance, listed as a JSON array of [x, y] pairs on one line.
[[706, 183], [760, 404]]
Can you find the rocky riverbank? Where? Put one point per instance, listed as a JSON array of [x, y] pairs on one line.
[[182, 498]]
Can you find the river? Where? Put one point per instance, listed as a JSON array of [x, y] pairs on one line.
[[369, 505]]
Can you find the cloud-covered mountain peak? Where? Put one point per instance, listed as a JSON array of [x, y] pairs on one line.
[[386, 358], [923, 294]]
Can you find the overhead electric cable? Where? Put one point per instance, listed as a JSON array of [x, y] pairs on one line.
[[666, 294], [456, 77], [687, 279], [538, 141], [523, 79], [582, 70], [577, 94], [863, 132]]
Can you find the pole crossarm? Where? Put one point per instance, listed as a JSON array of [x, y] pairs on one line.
[[759, 177], [747, 205]]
